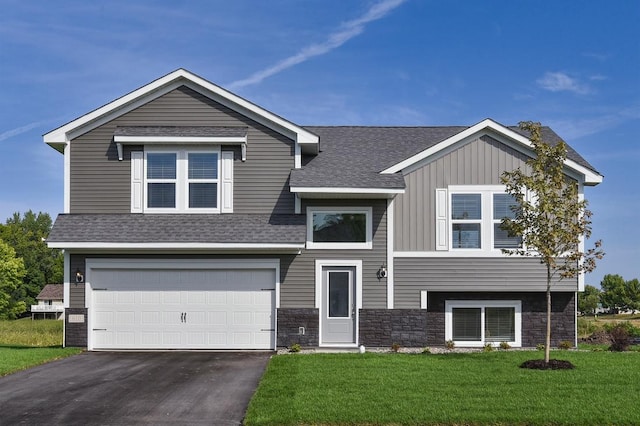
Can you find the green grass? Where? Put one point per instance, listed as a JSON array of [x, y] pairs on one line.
[[25, 343], [25, 332], [478, 388]]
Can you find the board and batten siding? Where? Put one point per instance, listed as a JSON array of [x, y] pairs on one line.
[[101, 184], [298, 288], [486, 274], [478, 162]]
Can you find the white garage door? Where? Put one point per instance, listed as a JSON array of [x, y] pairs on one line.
[[182, 309]]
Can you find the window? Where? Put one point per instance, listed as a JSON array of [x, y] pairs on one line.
[[473, 221], [339, 228], [182, 181], [475, 323], [503, 206]]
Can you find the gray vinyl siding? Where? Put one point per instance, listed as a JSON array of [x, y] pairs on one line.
[[298, 290], [102, 184], [78, 261], [479, 162], [469, 275]]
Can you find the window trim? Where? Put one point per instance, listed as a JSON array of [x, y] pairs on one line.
[[487, 237], [182, 179], [367, 245], [482, 305]]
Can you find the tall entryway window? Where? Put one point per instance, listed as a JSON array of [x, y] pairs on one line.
[[338, 308]]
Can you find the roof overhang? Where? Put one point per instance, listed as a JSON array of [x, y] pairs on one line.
[[58, 138], [188, 247], [360, 193], [488, 126]]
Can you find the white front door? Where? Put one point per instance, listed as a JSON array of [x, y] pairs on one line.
[[338, 308], [182, 309]]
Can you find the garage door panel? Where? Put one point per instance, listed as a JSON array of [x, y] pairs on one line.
[[174, 309]]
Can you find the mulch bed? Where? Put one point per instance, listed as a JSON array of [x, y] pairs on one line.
[[554, 364]]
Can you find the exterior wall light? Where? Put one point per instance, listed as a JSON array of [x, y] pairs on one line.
[[382, 272], [79, 277]]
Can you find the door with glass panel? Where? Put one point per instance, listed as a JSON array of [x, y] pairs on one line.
[[338, 309]]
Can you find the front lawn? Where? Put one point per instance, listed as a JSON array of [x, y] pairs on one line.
[[25, 343], [478, 388]]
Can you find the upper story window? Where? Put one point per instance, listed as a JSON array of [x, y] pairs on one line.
[[473, 221], [182, 181], [339, 228]]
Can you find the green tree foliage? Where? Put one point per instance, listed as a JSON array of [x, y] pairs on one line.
[[11, 273], [620, 295], [26, 234], [553, 222], [588, 300]]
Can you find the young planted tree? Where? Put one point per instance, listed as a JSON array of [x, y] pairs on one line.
[[551, 218]]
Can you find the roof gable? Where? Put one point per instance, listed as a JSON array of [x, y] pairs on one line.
[[51, 292], [504, 134], [306, 142]]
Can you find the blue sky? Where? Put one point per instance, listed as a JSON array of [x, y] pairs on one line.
[[572, 65]]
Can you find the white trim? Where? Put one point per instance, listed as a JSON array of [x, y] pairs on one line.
[[106, 263], [482, 304], [297, 204], [226, 181], [367, 245], [218, 140], [328, 263], [590, 177], [581, 246], [390, 265], [66, 289], [172, 246], [424, 299], [331, 190], [67, 177], [170, 82], [454, 253]]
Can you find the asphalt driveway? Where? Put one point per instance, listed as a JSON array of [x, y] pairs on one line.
[[117, 388]]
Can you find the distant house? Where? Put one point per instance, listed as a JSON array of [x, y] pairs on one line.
[[50, 301]]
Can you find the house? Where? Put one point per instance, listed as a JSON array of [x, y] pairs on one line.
[[50, 301], [195, 219]]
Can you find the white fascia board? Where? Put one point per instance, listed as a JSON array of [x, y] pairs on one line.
[[164, 85], [329, 190], [141, 140], [590, 177], [174, 246]]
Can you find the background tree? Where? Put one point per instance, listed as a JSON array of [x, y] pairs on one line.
[[632, 290], [552, 224], [588, 300], [613, 292], [11, 273], [26, 234]]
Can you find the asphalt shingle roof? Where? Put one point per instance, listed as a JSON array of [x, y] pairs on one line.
[[354, 156], [51, 292], [179, 228]]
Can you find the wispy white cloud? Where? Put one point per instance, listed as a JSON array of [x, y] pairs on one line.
[[561, 82], [347, 31], [578, 128], [22, 129]]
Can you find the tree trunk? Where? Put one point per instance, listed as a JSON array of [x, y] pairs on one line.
[[547, 346]]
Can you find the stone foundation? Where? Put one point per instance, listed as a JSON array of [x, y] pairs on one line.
[[289, 323], [384, 327], [75, 332]]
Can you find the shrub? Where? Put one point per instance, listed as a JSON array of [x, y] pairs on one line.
[[505, 345], [487, 347], [295, 348], [426, 351], [565, 344], [620, 340], [632, 331], [395, 347], [449, 344], [540, 346]]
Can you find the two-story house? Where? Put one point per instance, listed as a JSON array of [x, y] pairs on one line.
[[195, 219]]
